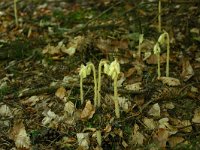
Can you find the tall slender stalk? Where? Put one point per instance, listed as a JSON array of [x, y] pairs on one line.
[[15, 10], [159, 15]]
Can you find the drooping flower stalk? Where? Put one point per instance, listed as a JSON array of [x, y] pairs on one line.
[[159, 15], [15, 11], [164, 39], [114, 71], [156, 51], [91, 67]]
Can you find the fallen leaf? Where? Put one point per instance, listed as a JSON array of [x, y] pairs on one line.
[[150, 123], [134, 86], [187, 70], [174, 140], [60, 93], [196, 117], [5, 111], [88, 111], [69, 108], [83, 140], [170, 81], [137, 137], [19, 136], [155, 110], [124, 103], [161, 137]]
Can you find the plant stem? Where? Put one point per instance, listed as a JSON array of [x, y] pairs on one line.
[[81, 89], [95, 83], [116, 98], [15, 10], [159, 15], [158, 59], [168, 52]]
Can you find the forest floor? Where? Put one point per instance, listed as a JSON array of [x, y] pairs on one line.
[[43, 54]]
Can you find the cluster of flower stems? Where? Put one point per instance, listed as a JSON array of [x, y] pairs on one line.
[[111, 70]]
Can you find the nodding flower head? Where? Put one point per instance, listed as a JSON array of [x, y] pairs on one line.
[[156, 48], [114, 69]]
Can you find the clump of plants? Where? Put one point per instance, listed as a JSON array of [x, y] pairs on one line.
[[111, 70], [162, 41]]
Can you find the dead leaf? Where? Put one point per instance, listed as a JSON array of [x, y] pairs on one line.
[[187, 70], [134, 86], [155, 110], [69, 108], [196, 117], [124, 103], [153, 60], [161, 137], [108, 128], [60, 93], [5, 111], [83, 140], [174, 140], [150, 123], [88, 111], [137, 137], [19, 136], [170, 81]]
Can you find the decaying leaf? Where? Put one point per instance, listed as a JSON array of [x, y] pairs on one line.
[[170, 81], [137, 137], [60, 93], [155, 110], [187, 70], [134, 87], [88, 111], [196, 117], [69, 108], [161, 137], [49, 117], [5, 111], [124, 103], [174, 140], [83, 140], [150, 123], [19, 136], [164, 124]]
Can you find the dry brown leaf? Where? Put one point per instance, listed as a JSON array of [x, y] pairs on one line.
[[187, 70], [69, 108], [137, 137], [60, 93], [161, 137], [196, 117], [19, 136], [155, 110], [134, 86], [5, 111], [83, 140], [170, 81], [88, 111], [108, 128], [174, 140], [152, 60], [150, 123]]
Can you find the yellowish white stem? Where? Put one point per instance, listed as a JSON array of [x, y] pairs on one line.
[[15, 10], [91, 65], [159, 15], [117, 113], [168, 53], [158, 59], [102, 62], [81, 89]]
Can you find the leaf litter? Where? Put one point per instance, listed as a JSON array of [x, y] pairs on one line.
[[40, 60]]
